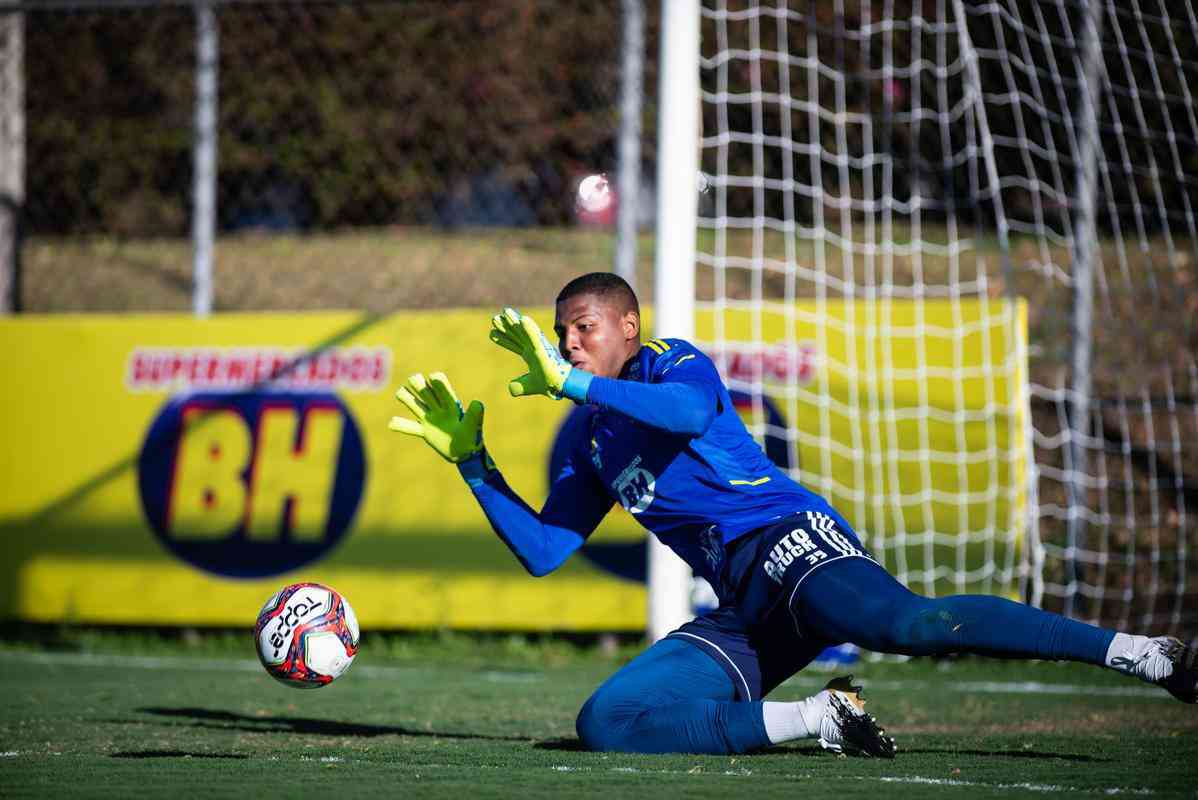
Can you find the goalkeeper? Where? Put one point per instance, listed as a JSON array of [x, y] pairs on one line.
[[660, 436]]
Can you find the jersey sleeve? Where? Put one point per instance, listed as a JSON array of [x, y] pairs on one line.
[[576, 499], [682, 397], [685, 363], [541, 541]]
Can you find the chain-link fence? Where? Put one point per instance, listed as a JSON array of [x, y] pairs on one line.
[[329, 115]]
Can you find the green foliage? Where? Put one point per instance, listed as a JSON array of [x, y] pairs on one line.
[[374, 113], [365, 113], [385, 112]]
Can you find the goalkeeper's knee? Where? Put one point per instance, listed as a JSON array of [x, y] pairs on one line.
[[601, 725]]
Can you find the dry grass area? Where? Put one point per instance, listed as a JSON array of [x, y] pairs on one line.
[[1149, 290], [379, 270], [1146, 298]]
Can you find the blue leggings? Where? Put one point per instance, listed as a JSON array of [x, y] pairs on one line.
[[674, 698], [857, 601]]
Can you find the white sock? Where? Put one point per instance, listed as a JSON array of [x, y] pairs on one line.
[[787, 721], [1121, 645], [1136, 655]]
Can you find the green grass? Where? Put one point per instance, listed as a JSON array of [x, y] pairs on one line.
[[459, 716]]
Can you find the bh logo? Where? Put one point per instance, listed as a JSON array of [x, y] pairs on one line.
[[251, 484], [635, 487]]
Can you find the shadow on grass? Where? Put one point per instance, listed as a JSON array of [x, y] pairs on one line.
[[174, 754], [575, 745], [229, 720], [570, 744], [1031, 754]]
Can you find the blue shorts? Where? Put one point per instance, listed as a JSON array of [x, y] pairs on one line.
[[757, 634]]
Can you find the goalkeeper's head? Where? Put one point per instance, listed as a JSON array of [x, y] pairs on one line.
[[598, 323]]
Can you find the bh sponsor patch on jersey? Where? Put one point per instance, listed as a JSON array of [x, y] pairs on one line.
[[634, 486]]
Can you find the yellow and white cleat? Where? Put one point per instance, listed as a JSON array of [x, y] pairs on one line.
[[845, 727]]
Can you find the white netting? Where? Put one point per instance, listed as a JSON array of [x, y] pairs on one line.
[[900, 192]]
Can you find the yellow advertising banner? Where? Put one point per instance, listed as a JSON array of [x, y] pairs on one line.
[[168, 470], [161, 469]]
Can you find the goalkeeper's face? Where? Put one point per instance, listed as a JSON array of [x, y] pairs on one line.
[[596, 334]]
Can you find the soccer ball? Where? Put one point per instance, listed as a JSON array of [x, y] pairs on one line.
[[306, 635], [595, 201], [594, 193]]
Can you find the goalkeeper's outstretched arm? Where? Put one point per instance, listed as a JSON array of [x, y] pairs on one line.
[[541, 542]]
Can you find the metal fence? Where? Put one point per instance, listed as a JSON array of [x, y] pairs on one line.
[[188, 119]]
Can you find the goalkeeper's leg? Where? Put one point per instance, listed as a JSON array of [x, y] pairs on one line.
[[675, 698], [855, 600], [672, 698]]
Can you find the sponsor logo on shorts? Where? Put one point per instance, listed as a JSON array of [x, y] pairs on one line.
[[711, 542], [820, 540]]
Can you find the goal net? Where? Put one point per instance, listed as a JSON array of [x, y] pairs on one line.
[[946, 261]]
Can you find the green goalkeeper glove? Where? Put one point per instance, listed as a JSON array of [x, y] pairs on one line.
[[548, 373], [440, 421]]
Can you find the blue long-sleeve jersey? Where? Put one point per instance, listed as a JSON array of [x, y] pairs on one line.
[[665, 442]]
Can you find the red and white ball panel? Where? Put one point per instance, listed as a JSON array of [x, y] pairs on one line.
[[351, 621], [306, 635], [325, 652]]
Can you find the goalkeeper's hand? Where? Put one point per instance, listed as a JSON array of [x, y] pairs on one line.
[[548, 373], [440, 421]]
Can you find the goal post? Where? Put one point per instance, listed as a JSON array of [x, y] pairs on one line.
[[674, 258], [947, 265]]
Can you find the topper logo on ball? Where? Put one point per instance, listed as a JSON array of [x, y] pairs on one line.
[[250, 484], [280, 637]]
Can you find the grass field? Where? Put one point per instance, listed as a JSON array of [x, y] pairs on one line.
[[494, 717]]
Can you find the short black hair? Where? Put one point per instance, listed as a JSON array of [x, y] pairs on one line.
[[606, 285]]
